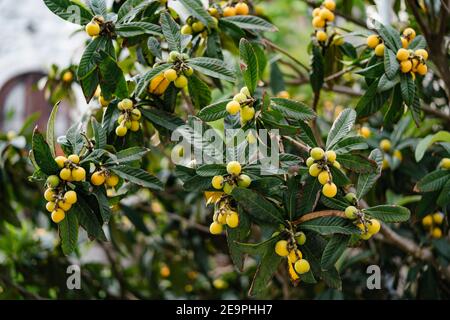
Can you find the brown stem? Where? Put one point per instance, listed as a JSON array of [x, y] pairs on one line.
[[319, 214]]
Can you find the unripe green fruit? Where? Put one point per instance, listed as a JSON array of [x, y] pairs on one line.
[[173, 56], [351, 197], [228, 188], [244, 90], [244, 181], [136, 114], [188, 72], [309, 162], [302, 266], [301, 238], [350, 212], [317, 153], [53, 181], [181, 82], [186, 30]]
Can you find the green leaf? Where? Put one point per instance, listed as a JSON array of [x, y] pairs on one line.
[[98, 7], [317, 73], [309, 196], [129, 155], [350, 144], [209, 170], [292, 109], [103, 204], [195, 7], [391, 65], [341, 127], [367, 180], [388, 213], [144, 81], [238, 234], [334, 203], [357, 163], [133, 29], [71, 11], [292, 196], [155, 47], [386, 84], [214, 111], [339, 178], [256, 205], [89, 84], [136, 218], [418, 42], [68, 232], [251, 23], [212, 67], [162, 119], [100, 135], [88, 220], [171, 31], [433, 181], [306, 135], [276, 78], [199, 92], [333, 251], [372, 71], [249, 65], [390, 36], [408, 88], [50, 136], [266, 268], [110, 116], [371, 101], [425, 143], [88, 63], [112, 80], [349, 50], [138, 176], [444, 196], [43, 155], [329, 225]]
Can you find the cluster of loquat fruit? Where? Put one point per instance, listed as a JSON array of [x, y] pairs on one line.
[[230, 10], [129, 118], [94, 27], [193, 26], [289, 248], [100, 177], [386, 147], [318, 164], [375, 42], [234, 177], [60, 198], [225, 214], [322, 16], [368, 227], [413, 61], [431, 222], [242, 104], [177, 74]]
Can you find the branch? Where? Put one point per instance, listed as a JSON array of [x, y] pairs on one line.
[[273, 46]]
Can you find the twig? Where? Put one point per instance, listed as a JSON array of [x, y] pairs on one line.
[[287, 54], [297, 144]]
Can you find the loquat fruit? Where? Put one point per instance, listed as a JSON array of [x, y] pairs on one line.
[[234, 168], [281, 248], [329, 190], [217, 182]]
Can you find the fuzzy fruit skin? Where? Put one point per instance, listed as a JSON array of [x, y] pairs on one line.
[[98, 178], [350, 212], [402, 54], [318, 22], [422, 52], [326, 15], [53, 181], [436, 233], [316, 12], [302, 266], [217, 182], [92, 29], [427, 221], [242, 9], [64, 205], [228, 188], [379, 50], [60, 161], [329, 190], [373, 41], [445, 163], [232, 219], [281, 248], [404, 42], [240, 97], [244, 90], [406, 66], [331, 156], [317, 153], [229, 11], [65, 174], [330, 4], [215, 228], [314, 170], [244, 181], [385, 145], [50, 206], [438, 218], [121, 131], [58, 215], [181, 82], [374, 226], [295, 255], [309, 162], [422, 69], [170, 75], [301, 239], [233, 107], [351, 197], [70, 197], [365, 132], [135, 126], [112, 180], [186, 30], [323, 177], [247, 113], [321, 36], [49, 194], [409, 33], [74, 158], [78, 174], [234, 167]]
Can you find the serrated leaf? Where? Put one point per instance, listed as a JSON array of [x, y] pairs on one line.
[[171, 31], [162, 118], [133, 29], [71, 11], [329, 225], [433, 181], [214, 111], [252, 23], [238, 234], [317, 73], [212, 67], [309, 196], [112, 79], [266, 268], [418, 42], [388, 213], [248, 65], [209, 170], [199, 92], [100, 135], [357, 163], [68, 232], [367, 180], [391, 65], [386, 84], [98, 7], [43, 155], [333, 251], [408, 88], [50, 135], [88, 220], [371, 101], [341, 127], [195, 7], [425, 143], [137, 176], [144, 81], [350, 144], [292, 109]]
